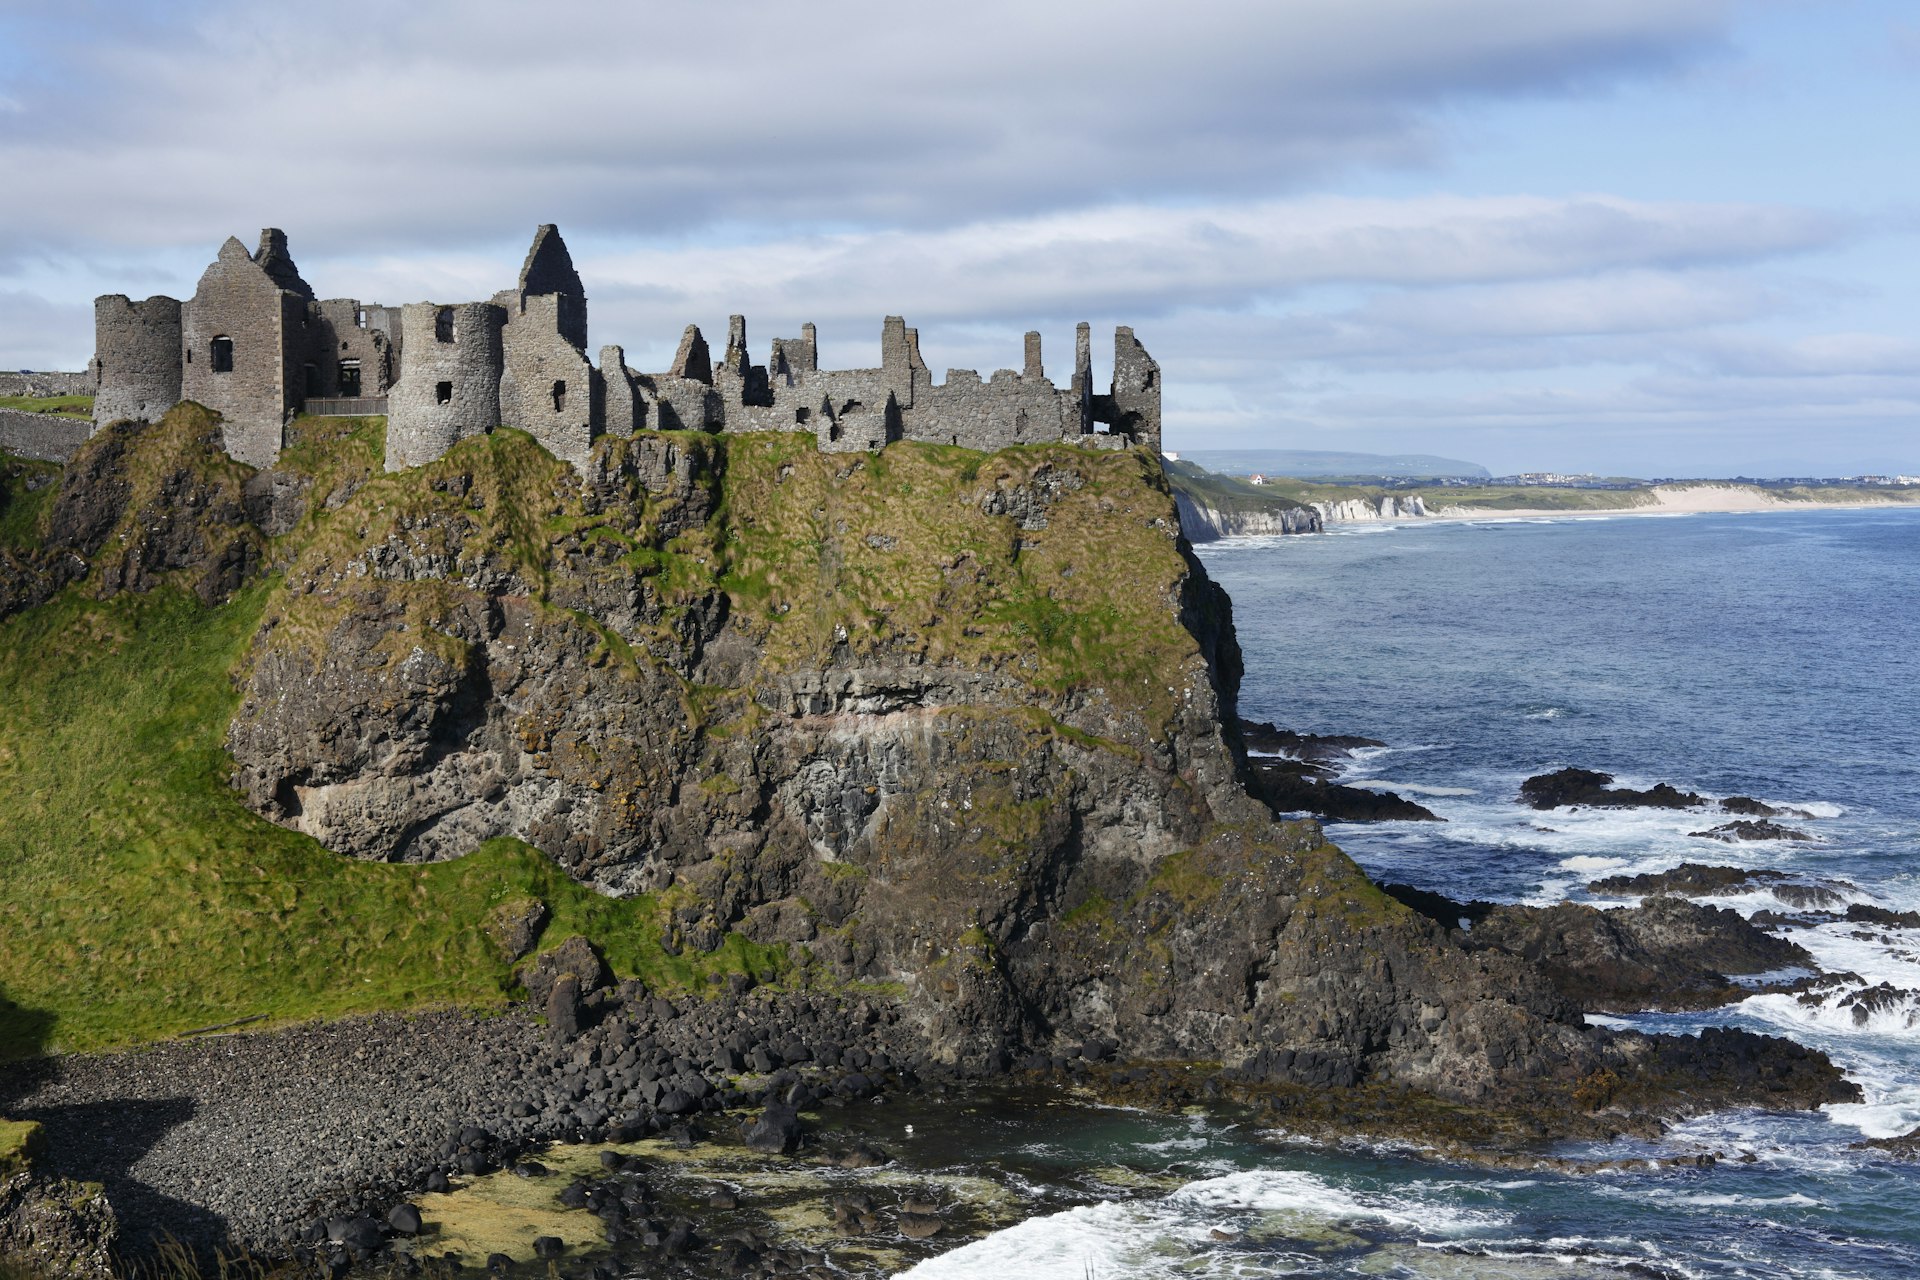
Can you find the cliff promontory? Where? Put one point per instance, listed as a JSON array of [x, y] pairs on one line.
[[952, 731]]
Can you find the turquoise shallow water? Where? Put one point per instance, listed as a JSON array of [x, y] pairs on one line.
[[1774, 655]]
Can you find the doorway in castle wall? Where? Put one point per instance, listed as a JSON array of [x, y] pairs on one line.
[[349, 379]]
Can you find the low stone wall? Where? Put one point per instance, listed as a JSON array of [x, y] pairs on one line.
[[46, 384], [47, 436]]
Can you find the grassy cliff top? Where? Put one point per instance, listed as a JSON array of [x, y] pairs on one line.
[[66, 406]]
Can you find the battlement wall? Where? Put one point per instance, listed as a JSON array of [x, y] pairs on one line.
[[38, 384], [48, 437]]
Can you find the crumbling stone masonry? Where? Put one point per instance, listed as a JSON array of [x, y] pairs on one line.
[[255, 344]]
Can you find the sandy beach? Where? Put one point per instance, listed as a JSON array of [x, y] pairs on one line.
[[1688, 499]]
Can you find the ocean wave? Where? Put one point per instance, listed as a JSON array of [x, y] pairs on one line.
[[1173, 1236]]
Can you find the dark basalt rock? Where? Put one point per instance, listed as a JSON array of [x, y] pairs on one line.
[[1566, 788], [56, 1227], [1318, 747], [1699, 880], [1664, 954], [776, 1132], [1734, 832], [1288, 786], [1865, 913], [1905, 1146]]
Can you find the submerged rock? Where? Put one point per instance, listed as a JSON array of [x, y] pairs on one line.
[[1700, 880]]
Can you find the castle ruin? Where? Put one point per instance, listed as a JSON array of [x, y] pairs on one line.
[[256, 345]]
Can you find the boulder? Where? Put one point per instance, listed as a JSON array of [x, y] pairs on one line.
[[576, 956], [776, 1132]]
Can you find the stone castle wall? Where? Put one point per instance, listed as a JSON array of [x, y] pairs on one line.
[[546, 389]]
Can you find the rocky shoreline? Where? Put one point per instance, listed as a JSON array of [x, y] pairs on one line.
[[256, 1140]]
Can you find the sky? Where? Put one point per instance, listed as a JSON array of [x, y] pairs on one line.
[[1628, 237]]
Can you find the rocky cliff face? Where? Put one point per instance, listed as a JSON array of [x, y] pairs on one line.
[[1362, 510], [1201, 521], [950, 726]]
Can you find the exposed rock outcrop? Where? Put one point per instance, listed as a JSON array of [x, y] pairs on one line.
[[1201, 521], [1386, 507], [55, 1227], [1666, 953]]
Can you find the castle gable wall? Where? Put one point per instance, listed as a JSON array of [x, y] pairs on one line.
[[236, 334]]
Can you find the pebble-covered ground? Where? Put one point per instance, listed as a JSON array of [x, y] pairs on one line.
[[255, 1138]]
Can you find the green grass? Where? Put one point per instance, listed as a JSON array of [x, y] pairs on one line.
[[66, 406], [139, 898], [20, 502], [20, 1141]]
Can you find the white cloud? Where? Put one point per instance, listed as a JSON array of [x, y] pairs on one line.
[[448, 119]]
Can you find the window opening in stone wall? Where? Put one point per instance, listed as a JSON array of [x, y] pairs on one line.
[[443, 393], [800, 416], [349, 378], [443, 325], [223, 355], [559, 397], [360, 318]]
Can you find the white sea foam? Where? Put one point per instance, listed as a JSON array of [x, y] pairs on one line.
[[1547, 713], [1173, 1236], [1593, 864], [1273, 1190], [1410, 788]]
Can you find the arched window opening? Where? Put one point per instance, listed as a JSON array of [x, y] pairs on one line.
[[222, 355], [559, 397], [443, 325]]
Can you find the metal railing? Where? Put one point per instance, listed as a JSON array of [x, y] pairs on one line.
[[347, 407]]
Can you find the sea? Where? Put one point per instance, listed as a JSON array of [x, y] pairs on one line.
[[1774, 655]]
